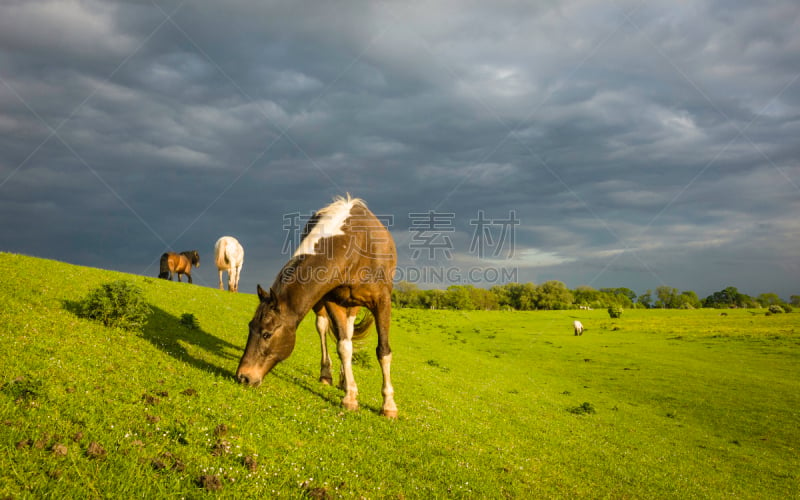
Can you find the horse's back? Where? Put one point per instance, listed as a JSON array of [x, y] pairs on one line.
[[228, 252], [368, 259], [377, 242]]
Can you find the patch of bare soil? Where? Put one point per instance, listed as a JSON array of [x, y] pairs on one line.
[[318, 492], [250, 463], [96, 451], [221, 447], [59, 450], [149, 399], [168, 461], [210, 482]]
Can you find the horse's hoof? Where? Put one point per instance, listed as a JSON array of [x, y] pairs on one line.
[[350, 405], [326, 380], [389, 413]]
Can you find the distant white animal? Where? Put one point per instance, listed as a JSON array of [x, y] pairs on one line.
[[229, 256], [578, 327]]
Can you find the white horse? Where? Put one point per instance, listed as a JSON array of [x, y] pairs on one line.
[[229, 256], [578, 327]]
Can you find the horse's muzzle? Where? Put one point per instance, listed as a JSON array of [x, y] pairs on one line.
[[245, 379]]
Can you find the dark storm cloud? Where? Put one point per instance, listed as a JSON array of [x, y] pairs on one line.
[[638, 144]]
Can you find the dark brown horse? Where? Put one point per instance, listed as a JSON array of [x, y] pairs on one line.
[[178, 263], [346, 260]]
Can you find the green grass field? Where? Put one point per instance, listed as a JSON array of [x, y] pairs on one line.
[[656, 404]]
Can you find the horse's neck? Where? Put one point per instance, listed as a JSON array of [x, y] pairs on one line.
[[298, 291]]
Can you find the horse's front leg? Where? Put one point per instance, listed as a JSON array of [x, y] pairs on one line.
[[343, 323], [325, 361], [383, 313], [189, 277]]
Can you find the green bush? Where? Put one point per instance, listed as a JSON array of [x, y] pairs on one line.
[[585, 409], [775, 309], [615, 311], [119, 304], [190, 321]]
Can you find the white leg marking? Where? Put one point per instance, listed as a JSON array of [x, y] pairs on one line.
[[325, 362], [350, 400], [389, 407], [236, 281]]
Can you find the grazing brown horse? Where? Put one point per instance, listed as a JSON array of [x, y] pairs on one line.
[[178, 263], [346, 260]]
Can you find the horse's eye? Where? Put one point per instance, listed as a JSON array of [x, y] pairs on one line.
[[266, 334]]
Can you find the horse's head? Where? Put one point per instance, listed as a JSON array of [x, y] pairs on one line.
[[270, 341], [196, 258]]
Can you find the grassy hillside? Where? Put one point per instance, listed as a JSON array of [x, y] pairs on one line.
[[666, 404]]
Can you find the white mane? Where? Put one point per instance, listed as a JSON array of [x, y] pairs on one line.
[[331, 220]]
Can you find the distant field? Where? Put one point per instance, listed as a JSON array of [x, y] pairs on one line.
[[656, 404]]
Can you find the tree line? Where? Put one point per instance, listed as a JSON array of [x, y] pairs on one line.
[[554, 295]]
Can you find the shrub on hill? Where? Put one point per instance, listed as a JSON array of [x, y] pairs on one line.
[[119, 304], [190, 321], [615, 311]]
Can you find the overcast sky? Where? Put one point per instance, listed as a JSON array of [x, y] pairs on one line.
[[598, 143]]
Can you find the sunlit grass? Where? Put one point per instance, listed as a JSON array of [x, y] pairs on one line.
[[686, 403]]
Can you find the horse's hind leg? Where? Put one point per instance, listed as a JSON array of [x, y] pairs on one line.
[[238, 272], [382, 314]]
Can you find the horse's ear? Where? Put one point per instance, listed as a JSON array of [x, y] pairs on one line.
[[262, 295]]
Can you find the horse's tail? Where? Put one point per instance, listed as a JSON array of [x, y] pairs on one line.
[[361, 328], [164, 268]]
